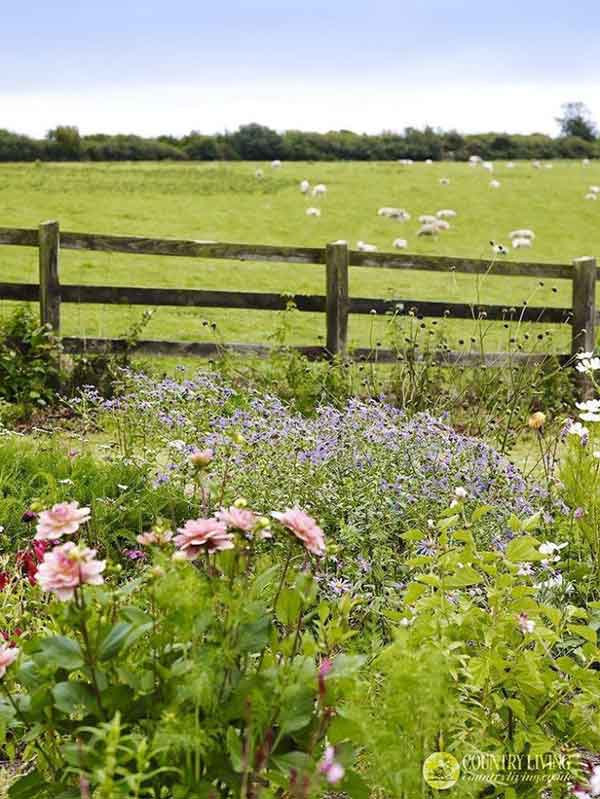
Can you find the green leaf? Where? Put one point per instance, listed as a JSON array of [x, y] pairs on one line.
[[114, 641], [524, 548], [533, 522], [583, 631], [288, 606], [518, 708], [28, 787], [480, 512], [71, 694], [61, 652], [346, 665], [234, 747]]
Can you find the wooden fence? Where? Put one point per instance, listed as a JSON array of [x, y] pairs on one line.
[[335, 303]]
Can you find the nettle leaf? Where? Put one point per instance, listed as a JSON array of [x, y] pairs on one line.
[[463, 577], [480, 512], [523, 549], [413, 592], [449, 522], [583, 631], [71, 694], [62, 652], [518, 708], [532, 522]]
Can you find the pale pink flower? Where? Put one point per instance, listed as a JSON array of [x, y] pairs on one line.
[[330, 768], [238, 518], [154, 538], [303, 527], [62, 519], [526, 625], [8, 655], [67, 567], [201, 458], [197, 535]]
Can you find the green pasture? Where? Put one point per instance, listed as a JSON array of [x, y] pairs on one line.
[[226, 202]]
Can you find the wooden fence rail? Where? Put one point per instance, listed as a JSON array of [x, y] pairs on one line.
[[335, 303]]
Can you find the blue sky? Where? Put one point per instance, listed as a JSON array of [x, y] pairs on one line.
[[152, 67]]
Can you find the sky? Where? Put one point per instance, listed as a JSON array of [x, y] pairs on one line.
[[171, 67]]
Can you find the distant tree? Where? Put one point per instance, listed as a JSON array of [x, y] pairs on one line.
[[576, 120], [256, 142], [65, 142]]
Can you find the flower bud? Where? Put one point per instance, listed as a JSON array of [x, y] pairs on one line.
[[237, 438], [240, 503], [201, 458]]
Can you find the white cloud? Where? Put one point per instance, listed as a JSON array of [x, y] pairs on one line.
[[369, 106]]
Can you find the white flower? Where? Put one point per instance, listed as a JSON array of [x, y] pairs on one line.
[[431, 523], [596, 453], [66, 482], [525, 569], [177, 444], [122, 487], [460, 492], [593, 406], [577, 429], [588, 364], [549, 548], [553, 582], [590, 417], [595, 781]]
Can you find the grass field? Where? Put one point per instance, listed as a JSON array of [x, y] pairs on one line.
[[226, 202]]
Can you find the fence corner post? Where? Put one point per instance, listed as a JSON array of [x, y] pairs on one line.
[[583, 334], [337, 261], [49, 245]]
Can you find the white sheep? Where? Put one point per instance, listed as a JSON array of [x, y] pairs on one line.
[[319, 190], [494, 184], [394, 213], [446, 213], [429, 229], [385, 211], [304, 186], [585, 162], [275, 164], [488, 166], [474, 160], [522, 233], [520, 242], [536, 164], [400, 244], [427, 219], [591, 196], [510, 165], [444, 181], [594, 189], [441, 224], [259, 173], [313, 212], [364, 247], [405, 161], [428, 161]]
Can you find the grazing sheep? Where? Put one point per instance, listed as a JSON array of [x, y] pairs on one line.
[[498, 249], [536, 164], [441, 224], [313, 212], [319, 190], [523, 233], [275, 164], [520, 242], [304, 186], [446, 213], [474, 160], [444, 181], [594, 189], [394, 213], [427, 219], [494, 184], [405, 161], [364, 247], [400, 244], [510, 165], [259, 173], [585, 162], [488, 166], [428, 161], [429, 229], [591, 196]]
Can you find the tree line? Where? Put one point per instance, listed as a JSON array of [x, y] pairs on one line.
[[255, 142]]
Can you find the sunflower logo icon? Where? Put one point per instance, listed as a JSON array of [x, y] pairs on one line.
[[441, 770]]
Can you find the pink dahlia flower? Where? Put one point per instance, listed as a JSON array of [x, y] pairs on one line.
[[8, 655], [197, 535], [155, 538], [66, 567], [303, 527], [62, 519], [238, 518]]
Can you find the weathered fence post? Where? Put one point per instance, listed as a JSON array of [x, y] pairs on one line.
[[584, 316], [337, 261], [49, 243]]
